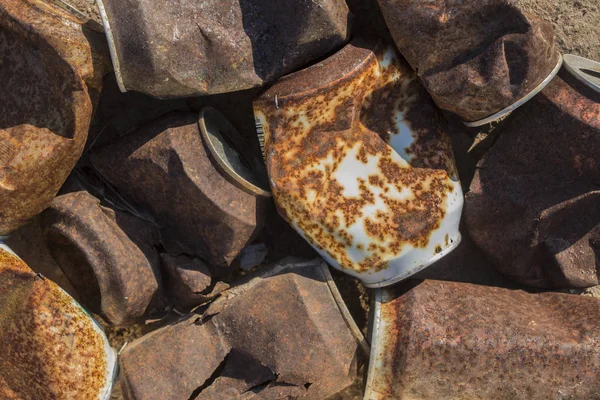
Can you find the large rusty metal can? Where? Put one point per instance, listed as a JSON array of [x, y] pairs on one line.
[[109, 256], [197, 179], [192, 48], [279, 335], [446, 340], [50, 348], [534, 203], [480, 59], [360, 164], [45, 109]]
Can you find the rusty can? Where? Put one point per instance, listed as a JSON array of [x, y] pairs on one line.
[[447, 340], [194, 48], [109, 256], [198, 180], [478, 59], [45, 109], [539, 221], [361, 165], [50, 348], [280, 334]]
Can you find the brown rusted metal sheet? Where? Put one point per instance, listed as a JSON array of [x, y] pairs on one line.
[[534, 203], [476, 58], [169, 169], [361, 165], [187, 279], [49, 347], [45, 109], [192, 48], [445, 340], [108, 256], [279, 335]]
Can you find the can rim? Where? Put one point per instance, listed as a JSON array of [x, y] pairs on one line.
[[112, 48], [221, 135], [576, 66], [409, 272], [521, 101], [376, 307]]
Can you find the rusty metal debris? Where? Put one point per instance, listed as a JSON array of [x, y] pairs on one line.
[[446, 340], [478, 59], [50, 348], [534, 203], [188, 48], [279, 335], [187, 279], [168, 169], [45, 109], [361, 165], [109, 256]]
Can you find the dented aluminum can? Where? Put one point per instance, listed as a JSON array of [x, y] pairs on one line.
[[478, 59], [193, 48], [197, 179], [45, 109], [446, 340], [109, 256], [537, 220], [295, 342], [50, 348], [360, 164]]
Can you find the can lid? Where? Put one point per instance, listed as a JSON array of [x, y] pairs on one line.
[[226, 146], [585, 70]]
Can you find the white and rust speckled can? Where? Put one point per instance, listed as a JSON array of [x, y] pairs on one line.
[[50, 348], [360, 164]]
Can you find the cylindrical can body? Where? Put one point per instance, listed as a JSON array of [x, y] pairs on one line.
[[448, 340], [49, 346], [168, 168], [45, 109], [360, 164], [534, 203], [190, 48], [479, 59]]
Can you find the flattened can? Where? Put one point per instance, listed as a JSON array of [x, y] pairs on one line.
[[360, 164], [50, 348]]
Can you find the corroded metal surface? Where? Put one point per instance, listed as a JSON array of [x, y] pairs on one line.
[[445, 340], [280, 335], [360, 163], [187, 48], [45, 109], [534, 203], [166, 169], [475, 58], [108, 256], [49, 347], [187, 279]]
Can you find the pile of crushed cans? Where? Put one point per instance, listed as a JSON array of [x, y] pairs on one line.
[[337, 120]]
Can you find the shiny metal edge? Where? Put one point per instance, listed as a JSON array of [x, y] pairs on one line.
[[111, 46], [418, 268], [248, 186], [374, 344], [344, 310], [575, 71], [521, 101]]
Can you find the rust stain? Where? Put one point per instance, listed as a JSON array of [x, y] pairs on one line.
[[360, 110], [49, 348]]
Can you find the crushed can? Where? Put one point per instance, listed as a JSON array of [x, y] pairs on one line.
[[50, 348], [539, 221], [447, 340], [45, 109], [281, 333], [478, 59], [360, 164], [193, 48], [109, 256], [198, 180]]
